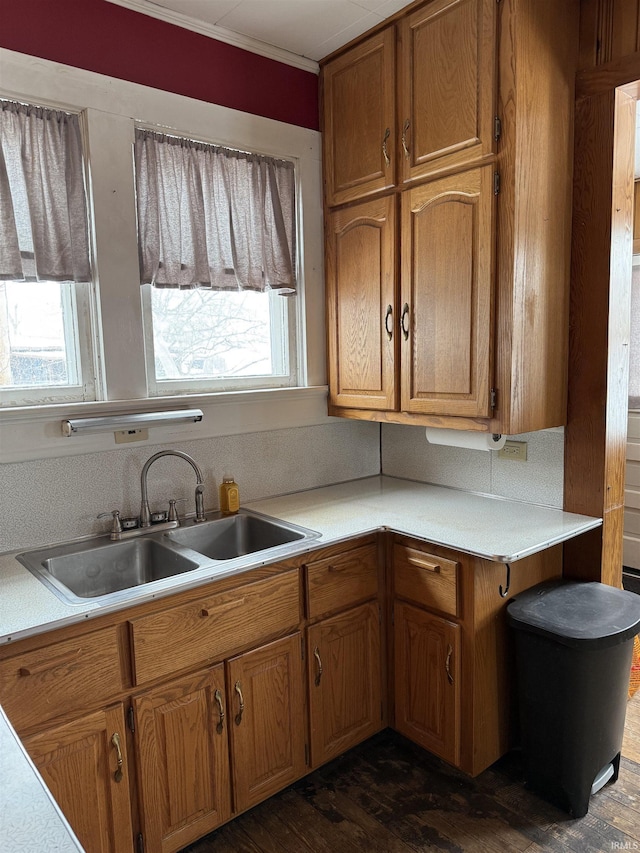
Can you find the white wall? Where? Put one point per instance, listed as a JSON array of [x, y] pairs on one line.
[[407, 453], [52, 500]]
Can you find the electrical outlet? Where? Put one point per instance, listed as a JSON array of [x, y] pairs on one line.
[[514, 450], [125, 436]]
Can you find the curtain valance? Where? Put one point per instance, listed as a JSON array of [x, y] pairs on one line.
[[43, 214], [213, 217]]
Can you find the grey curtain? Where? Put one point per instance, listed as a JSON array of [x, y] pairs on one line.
[[213, 217], [43, 213]]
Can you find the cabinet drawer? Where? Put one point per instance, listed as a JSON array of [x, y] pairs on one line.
[[338, 582], [426, 579], [214, 626], [85, 672]]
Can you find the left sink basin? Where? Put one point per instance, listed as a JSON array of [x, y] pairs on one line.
[[97, 569]]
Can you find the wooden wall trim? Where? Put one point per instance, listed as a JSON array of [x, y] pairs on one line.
[[595, 437], [604, 78]]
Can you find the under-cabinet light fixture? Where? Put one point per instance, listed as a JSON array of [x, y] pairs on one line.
[[141, 420]]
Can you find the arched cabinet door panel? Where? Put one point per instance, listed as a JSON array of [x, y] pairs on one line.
[[447, 295], [361, 315]]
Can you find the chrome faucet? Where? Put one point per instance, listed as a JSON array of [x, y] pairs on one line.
[[145, 514]]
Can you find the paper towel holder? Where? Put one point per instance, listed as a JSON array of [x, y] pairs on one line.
[[469, 439]]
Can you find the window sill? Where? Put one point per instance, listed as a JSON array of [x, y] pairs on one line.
[[35, 432]]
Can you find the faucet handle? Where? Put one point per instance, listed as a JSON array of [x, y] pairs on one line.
[[116, 525], [173, 513]]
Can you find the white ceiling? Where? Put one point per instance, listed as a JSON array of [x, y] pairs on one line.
[[296, 31]]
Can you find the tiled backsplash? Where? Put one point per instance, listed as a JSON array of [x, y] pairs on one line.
[[407, 453], [51, 500]]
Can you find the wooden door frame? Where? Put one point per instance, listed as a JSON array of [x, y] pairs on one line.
[[602, 237]]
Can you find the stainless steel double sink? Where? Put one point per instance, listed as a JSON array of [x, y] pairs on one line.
[[104, 571]]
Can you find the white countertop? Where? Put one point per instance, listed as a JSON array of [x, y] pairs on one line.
[[485, 526]]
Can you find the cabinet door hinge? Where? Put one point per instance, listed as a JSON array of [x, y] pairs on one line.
[[139, 843], [131, 719], [492, 398], [497, 128], [496, 183]]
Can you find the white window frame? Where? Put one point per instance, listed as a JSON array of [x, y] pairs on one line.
[[81, 329], [78, 306], [286, 306]]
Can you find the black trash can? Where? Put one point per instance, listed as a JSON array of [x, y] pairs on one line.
[[574, 643]]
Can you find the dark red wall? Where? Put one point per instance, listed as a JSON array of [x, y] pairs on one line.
[[109, 39]]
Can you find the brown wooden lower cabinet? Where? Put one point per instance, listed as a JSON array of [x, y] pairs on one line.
[[266, 720], [219, 729], [182, 747], [345, 689], [79, 762], [427, 680], [184, 731]]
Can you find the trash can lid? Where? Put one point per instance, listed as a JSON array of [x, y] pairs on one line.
[[573, 613]]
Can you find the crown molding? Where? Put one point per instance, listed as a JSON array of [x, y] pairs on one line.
[[219, 33]]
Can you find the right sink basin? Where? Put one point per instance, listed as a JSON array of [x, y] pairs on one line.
[[234, 536]]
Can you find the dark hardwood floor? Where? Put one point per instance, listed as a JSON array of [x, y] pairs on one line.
[[389, 796]]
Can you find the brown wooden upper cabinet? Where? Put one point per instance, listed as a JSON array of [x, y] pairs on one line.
[[359, 120], [446, 86], [448, 227], [442, 90]]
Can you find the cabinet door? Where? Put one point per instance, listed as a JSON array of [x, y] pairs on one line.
[[447, 86], [427, 680], [182, 746], [345, 705], [359, 129], [266, 708], [447, 295], [79, 761], [360, 275]]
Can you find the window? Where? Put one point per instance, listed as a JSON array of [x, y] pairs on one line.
[[45, 273], [216, 230]]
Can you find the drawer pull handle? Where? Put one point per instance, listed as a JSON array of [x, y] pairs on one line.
[[115, 741], [50, 663], [428, 565], [447, 663], [221, 608], [218, 697], [316, 654], [238, 689]]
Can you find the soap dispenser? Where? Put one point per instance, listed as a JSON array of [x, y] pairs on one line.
[[229, 496]]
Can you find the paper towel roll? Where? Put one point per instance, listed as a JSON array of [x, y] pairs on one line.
[[465, 438]]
